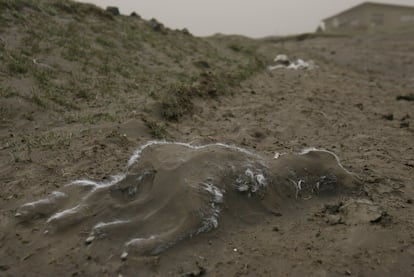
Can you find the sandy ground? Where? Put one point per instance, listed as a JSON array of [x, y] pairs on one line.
[[347, 105]]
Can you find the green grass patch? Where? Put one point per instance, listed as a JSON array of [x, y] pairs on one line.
[[18, 64], [50, 140], [97, 118], [38, 101], [8, 92], [158, 130], [176, 102], [75, 8], [103, 41], [19, 5]]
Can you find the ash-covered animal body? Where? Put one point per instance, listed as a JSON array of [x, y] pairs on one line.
[[173, 191]]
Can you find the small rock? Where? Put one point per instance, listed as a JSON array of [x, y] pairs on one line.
[[156, 26], [360, 106], [404, 124], [113, 10], [348, 272], [258, 134], [202, 64], [333, 219], [201, 271], [277, 214], [409, 163], [134, 14], [381, 216], [275, 229], [409, 201], [185, 31], [407, 97], [389, 117], [332, 208], [4, 267]]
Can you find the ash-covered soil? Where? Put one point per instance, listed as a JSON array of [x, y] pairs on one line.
[[82, 89]]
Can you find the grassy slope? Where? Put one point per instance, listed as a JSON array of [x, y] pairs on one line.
[[75, 63]]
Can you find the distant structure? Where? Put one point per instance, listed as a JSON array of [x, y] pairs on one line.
[[370, 16]]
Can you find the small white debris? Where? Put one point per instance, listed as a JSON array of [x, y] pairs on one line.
[[298, 186], [235, 250], [90, 239], [283, 62], [278, 155], [124, 256]]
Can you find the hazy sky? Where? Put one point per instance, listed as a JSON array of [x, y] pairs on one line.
[[254, 18]]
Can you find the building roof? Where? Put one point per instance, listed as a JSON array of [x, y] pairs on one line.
[[368, 3]]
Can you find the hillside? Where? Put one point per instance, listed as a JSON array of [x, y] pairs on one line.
[[71, 56], [82, 88]]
